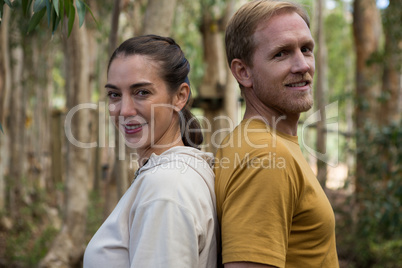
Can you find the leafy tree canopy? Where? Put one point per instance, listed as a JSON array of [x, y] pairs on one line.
[[54, 11]]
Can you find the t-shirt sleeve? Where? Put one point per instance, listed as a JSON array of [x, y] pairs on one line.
[[257, 212], [164, 234]]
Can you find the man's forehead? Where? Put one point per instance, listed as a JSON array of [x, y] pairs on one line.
[[280, 24]]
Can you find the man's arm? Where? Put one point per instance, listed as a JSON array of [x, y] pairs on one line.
[[246, 265], [258, 206]]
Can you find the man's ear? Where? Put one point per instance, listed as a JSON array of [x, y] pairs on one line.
[[181, 97], [241, 72]]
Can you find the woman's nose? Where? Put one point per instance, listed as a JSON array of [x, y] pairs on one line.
[[128, 106]]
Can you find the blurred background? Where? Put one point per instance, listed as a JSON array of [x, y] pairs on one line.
[[53, 59]]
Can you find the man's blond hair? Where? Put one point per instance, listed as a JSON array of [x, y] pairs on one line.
[[241, 27]]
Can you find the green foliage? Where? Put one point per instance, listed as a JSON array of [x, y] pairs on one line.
[[32, 235], [380, 198], [71, 16], [387, 254], [382, 193], [20, 248], [186, 33], [1, 128], [81, 11], [55, 11]]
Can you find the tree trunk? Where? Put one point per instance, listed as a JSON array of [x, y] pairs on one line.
[[38, 124], [16, 126], [116, 184], [158, 17], [212, 87], [68, 246], [320, 92], [114, 30], [137, 17], [367, 32], [57, 166], [391, 81], [218, 91], [5, 86]]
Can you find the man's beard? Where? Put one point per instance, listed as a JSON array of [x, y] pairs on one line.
[[284, 100]]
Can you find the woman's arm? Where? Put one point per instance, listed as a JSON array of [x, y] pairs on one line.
[[164, 234]]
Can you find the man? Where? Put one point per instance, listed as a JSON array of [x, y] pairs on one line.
[[272, 210]]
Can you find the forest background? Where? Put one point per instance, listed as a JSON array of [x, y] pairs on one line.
[[53, 58]]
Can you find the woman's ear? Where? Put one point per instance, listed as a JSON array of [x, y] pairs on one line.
[[181, 97], [241, 72]]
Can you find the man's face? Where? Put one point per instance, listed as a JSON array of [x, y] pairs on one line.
[[283, 64]]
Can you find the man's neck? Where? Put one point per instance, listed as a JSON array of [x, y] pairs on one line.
[[285, 123]]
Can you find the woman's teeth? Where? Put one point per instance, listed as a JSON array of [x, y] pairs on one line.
[[133, 127]]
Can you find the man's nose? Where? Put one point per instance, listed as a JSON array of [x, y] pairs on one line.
[[128, 106], [300, 64]]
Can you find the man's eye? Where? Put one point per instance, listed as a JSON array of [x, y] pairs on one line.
[[306, 50], [112, 95], [280, 54]]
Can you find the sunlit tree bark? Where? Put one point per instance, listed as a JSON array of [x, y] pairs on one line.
[[391, 101], [367, 33], [116, 183], [158, 17], [67, 249], [320, 91], [16, 126], [218, 91], [5, 85]]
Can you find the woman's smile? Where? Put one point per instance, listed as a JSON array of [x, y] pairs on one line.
[[133, 128]]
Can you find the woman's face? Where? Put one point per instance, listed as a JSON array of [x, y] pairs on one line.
[[140, 103]]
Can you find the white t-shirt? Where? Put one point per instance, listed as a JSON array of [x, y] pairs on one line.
[[167, 218]]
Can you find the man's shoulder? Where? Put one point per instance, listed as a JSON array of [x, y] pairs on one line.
[[252, 137]]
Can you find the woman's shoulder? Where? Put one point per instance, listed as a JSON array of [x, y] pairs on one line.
[[178, 161], [178, 172]]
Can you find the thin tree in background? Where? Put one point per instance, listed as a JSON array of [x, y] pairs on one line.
[[218, 91], [158, 17], [367, 33], [17, 124], [68, 247], [5, 88], [320, 91], [391, 95], [116, 183], [232, 90]]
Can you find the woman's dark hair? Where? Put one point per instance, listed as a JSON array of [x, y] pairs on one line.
[[174, 71]]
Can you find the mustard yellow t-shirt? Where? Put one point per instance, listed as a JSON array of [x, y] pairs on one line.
[[271, 207]]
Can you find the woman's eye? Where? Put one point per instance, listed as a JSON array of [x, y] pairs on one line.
[[142, 92]]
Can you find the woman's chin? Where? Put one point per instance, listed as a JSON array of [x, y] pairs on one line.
[[135, 143]]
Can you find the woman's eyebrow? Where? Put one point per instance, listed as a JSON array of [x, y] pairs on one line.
[[140, 84], [136, 85]]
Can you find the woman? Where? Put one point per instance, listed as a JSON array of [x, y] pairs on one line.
[[167, 217]]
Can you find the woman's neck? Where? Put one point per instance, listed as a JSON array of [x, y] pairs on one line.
[[158, 148]]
